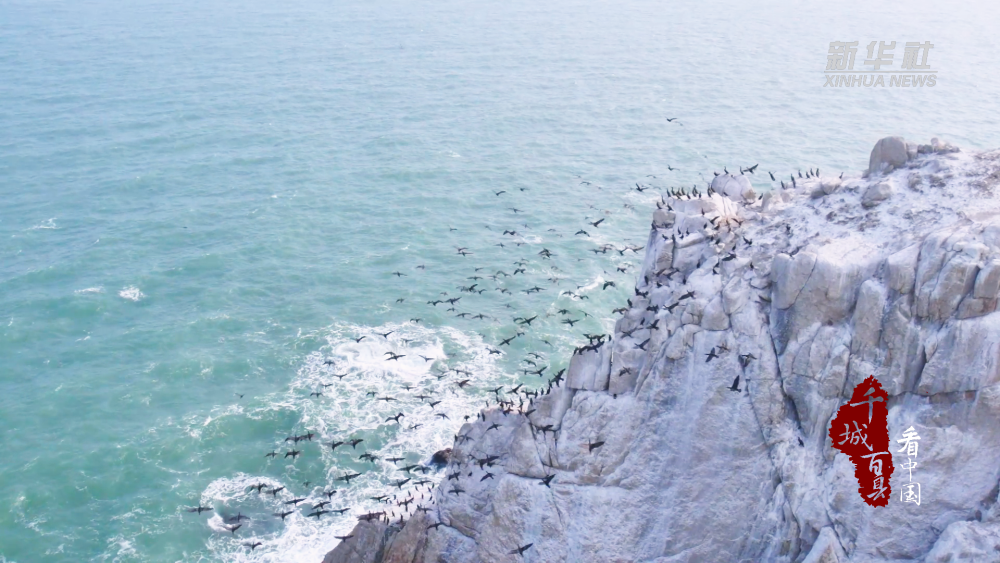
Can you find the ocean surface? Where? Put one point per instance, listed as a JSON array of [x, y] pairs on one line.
[[203, 204]]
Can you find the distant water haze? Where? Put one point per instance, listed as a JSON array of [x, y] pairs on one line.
[[203, 201]]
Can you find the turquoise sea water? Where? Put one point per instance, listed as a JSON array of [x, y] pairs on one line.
[[203, 200]]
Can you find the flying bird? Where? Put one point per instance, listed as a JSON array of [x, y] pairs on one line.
[[520, 550], [711, 355]]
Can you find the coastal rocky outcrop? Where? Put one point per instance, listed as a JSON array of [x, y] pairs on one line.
[[802, 294]]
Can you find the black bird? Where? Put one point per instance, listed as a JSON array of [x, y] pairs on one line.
[[524, 321], [607, 283], [341, 511], [272, 454], [234, 528], [594, 445], [334, 445], [253, 545], [772, 175], [295, 501], [736, 385], [395, 418], [435, 526], [598, 222], [358, 339], [274, 492], [521, 550], [321, 505], [547, 480], [355, 442], [199, 509], [711, 355], [283, 514], [293, 453], [348, 477], [344, 538], [687, 295], [385, 334], [642, 345], [487, 476]]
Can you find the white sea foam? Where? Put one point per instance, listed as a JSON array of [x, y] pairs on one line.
[[125, 548], [346, 410], [131, 293], [46, 224], [89, 290]]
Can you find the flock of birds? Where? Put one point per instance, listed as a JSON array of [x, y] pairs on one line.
[[410, 494]]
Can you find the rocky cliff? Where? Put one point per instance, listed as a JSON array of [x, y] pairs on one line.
[[802, 294]]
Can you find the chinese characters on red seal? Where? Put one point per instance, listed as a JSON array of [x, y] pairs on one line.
[[861, 430]]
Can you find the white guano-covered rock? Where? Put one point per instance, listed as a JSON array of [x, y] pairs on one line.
[[889, 153], [713, 411]]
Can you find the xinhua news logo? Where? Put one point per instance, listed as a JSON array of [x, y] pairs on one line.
[[914, 72]]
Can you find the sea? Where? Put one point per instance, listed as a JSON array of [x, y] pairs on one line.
[[204, 207]]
